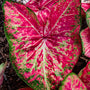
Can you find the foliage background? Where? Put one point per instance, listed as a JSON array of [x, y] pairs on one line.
[[11, 80]]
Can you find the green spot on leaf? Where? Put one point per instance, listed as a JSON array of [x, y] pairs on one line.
[[71, 64], [61, 45], [9, 20], [17, 50], [75, 48], [70, 68], [89, 73], [70, 57]]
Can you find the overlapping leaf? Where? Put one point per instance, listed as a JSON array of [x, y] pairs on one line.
[[41, 8], [88, 17], [72, 82], [85, 75], [85, 36], [43, 54], [85, 6]]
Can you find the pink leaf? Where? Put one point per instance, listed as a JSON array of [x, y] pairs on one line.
[[85, 36], [84, 75], [42, 8], [85, 6], [72, 82], [43, 53]]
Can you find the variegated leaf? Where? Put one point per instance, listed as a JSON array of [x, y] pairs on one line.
[[72, 82], [84, 75], [43, 54], [85, 36]]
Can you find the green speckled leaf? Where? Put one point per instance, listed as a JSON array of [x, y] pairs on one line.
[[72, 82], [85, 36], [44, 47], [84, 75]]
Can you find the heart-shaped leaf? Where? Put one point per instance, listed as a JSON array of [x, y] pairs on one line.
[[43, 52], [85, 36], [72, 82], [84, 75]]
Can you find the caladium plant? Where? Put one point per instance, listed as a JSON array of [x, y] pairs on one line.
[[85, 36], [85, 33], [80, 82], [41, 8], [86, 6], [72, 82], [84, 75], [43, 40]]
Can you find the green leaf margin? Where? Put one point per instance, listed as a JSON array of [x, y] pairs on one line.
[[32, 84]]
